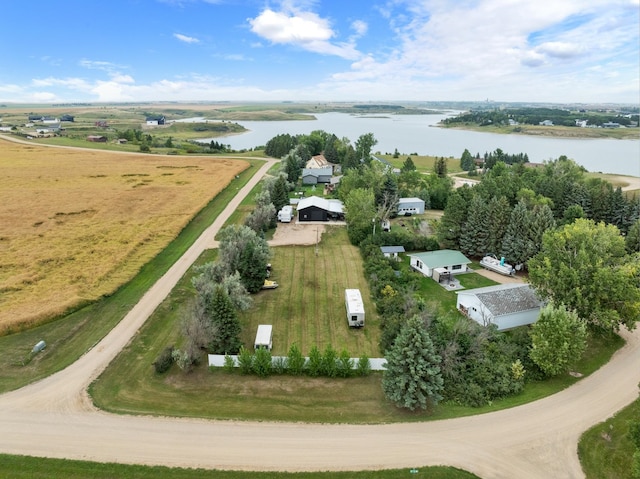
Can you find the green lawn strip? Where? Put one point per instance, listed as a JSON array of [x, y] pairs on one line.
[[27, 467], [606, 450], [69, 337]]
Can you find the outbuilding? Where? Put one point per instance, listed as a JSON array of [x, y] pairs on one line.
[[264, 337], [315, 208], [355, 308], [410, 206], [392, 251], [505, 305], [448, 260], [313, 176]]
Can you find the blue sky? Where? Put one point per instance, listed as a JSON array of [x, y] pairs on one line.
[[563, 51]]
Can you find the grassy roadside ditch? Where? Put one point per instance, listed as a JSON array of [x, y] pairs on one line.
[[70, 336], [24, 467], [606, 450]]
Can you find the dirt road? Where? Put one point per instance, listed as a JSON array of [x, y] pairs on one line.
[[55, 418]]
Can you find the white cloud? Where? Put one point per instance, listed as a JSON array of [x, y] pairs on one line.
[[300, 28], [359, 27], [185, 38]]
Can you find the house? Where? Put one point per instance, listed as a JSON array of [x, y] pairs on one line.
[[315, 208], [505, 305], [155, 120], [318, 161], [445, 259], [410, 206], [313, 176], [546, 123], [70, 118], [97, 138], [387, 166], [50, 120], [610, 124], [392, 251]]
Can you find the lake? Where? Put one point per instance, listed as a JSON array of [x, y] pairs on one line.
[[418, 134]]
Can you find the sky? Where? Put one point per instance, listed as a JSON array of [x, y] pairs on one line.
[[555, 51]]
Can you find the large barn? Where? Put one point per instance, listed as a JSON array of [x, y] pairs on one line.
[[315, 208]]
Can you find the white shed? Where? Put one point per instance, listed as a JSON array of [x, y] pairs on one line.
[[505, 305], [410, 206], [264, 337], [355, 307]]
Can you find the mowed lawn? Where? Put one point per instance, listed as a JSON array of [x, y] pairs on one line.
[[308, 307], [78, 224]]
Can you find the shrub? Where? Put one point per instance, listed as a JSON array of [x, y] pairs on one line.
[[314, 366], [364, 366], [344, 365], [229, 363], [279, 365], [164, 360], [329, 367], [295, 360], [262, 362], [245, 361]]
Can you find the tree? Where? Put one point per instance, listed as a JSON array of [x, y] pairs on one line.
[[280, 195], [359, 214], [242, 250], [440, 167], [632, 240], [295, 360], [466, 161], [364, 145], [558, 339], [454, 218], [584, 266], [474, 239], [412, 377], [223, 316], [408, 165]]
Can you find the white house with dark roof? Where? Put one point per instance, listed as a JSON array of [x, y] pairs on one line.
[[505, 305], [448, 260]]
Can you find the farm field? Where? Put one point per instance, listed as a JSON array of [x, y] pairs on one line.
[[77, 224]]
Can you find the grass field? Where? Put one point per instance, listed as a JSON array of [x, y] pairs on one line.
[[605, 450], [76, 225], [24, 467], [308, 307]]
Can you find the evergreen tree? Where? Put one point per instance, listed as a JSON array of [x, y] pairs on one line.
[[440, 167], [515, 245], [412, 378], [280, 196], [474, 239], [632, 240], [224, 318], [498, 218], [408, 165], [454, 218]]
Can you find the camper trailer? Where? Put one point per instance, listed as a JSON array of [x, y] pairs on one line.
[[285, 214], [355, 308], [263, 337]]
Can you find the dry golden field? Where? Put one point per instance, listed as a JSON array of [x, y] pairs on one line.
[[76, 224]]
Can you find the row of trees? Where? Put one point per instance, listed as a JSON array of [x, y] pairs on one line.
[[328, 363], [511, 208]]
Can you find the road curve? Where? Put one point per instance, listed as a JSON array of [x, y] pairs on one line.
[[55, 418]]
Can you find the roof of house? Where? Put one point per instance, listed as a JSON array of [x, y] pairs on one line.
[[504, 299], [335, 206], [392, 249], [410, 200], [440, 258], [318, 161], [326, 171]]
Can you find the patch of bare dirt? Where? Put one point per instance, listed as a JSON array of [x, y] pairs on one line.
[[295, 233]]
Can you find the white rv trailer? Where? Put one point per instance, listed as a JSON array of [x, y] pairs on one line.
[[285, 214], [355, 307], [264, 337]]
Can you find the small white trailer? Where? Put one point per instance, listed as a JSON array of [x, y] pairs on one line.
[[355, 307], [285, 214], [263, 337]]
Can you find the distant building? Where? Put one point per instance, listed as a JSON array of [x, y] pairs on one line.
[[155, 120], [610, 124], [318, 161], [546, 123], [97, 138]]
